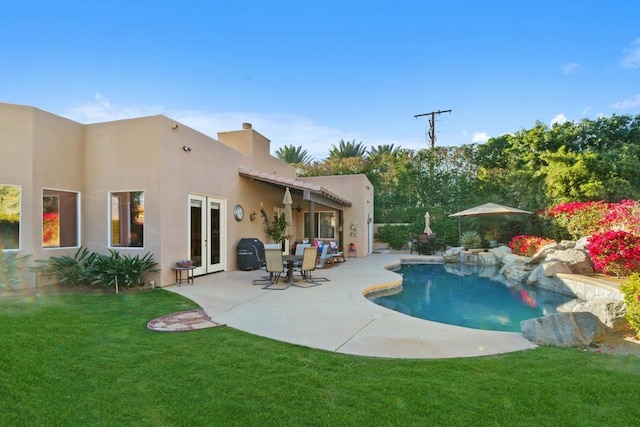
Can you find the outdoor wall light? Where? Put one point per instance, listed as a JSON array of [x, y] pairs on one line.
[[174, 126], [252, 216], [186, 148]]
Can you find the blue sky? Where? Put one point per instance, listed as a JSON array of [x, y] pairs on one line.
[[313, 73]]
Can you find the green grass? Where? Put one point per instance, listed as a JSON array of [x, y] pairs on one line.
[[84, 360]]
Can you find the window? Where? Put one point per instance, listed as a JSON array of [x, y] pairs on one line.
[[126, 219], [60, 219], [325, 225], [10, 216]]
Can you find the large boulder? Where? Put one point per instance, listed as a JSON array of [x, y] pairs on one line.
[[500, 252], [577, 260], [582, 243], [452, 254], [568, 244], [542, 253], [516, 272], [610, 312], [551, 268], [577, 329]]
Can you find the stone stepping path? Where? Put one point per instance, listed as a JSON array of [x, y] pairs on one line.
[[183, 321]]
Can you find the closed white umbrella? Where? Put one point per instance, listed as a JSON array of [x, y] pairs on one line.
[[288, 215], [427, 228]]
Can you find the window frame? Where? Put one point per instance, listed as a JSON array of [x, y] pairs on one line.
[[125, 208], [75, 223], [19, 236], [318, 215]]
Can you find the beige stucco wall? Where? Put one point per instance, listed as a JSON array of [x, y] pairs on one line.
[[39, 150], [42, 150], [359, 190]]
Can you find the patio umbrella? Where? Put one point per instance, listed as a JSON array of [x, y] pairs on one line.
[[488, 209], [427, 229], [288, 215]]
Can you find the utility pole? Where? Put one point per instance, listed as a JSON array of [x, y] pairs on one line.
[[432, 124]]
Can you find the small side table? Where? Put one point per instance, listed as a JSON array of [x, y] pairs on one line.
[[179, 279]]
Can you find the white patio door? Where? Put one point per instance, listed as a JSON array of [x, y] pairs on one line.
[[207, 233]]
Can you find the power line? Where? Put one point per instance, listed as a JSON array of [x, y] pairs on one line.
[[432, 124]]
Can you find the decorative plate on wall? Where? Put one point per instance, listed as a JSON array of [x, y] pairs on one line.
[[238, 212]]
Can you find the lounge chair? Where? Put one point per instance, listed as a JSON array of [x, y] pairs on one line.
[[336, 254], [308, 267], [324, 257]]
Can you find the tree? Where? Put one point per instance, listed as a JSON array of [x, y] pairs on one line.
[[347, 149], [381, 150], [293, 155]]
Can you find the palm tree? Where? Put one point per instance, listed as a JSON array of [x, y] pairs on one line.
[[293, 155], [384, 149], [347, 149]]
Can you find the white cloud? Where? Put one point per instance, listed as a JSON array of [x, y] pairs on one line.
[[570, 68], [627, 103], [559, 119], [282, 129], [479, 137], [102, 110], [631, 58]]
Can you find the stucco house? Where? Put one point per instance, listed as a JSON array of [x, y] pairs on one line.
[[152, 184]]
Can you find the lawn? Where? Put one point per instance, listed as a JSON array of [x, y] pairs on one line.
[[84, 360]]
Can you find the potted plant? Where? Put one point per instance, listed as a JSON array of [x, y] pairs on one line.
[[276, 229], [492, 236]]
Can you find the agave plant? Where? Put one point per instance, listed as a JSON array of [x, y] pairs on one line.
[[115, 270], [470, 240], [70, 270]]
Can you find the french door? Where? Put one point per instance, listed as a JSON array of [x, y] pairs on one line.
[[207, 233]]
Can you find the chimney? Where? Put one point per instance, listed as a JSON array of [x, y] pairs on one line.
[[246, 126]]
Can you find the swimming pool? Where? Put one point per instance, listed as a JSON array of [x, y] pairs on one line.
[[470, 300]]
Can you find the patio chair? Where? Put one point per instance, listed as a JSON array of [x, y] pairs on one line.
[[299, 252], [308, 267], [324, 257], [439, 245], [425, 243], [275, 268]]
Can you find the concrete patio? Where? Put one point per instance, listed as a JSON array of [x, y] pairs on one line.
[[335, 316]]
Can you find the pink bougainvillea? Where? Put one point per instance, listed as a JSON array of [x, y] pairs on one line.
[[527, 245], [614, 229], [615, 252]]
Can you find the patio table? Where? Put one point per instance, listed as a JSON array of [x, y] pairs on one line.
[[290, 259]]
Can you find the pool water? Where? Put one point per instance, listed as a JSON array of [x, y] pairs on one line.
[[470, 300]]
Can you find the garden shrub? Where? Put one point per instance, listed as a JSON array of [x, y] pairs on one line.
[[70, 270], [9, 266], [631, 291], [615, 252], [579, 219], [89, 268], [527, 245], [396, 236], [117, 270]]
